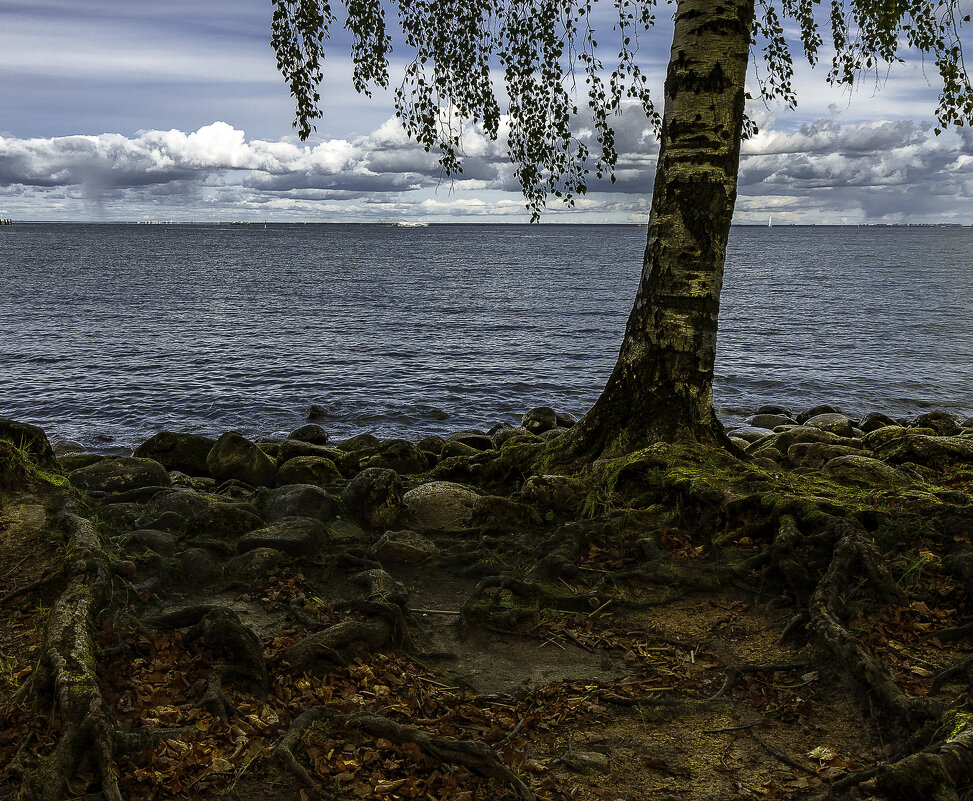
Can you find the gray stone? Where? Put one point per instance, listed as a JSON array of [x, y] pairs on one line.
[[174, 451], [382, 587], [307, 470], [401, 456], [943, 423], [907, 445], [458, 449], [224, 520], [120, 474], [75, 461], [311, 433], [234, 457], [195, 566], [374, 497], [431, 444], [565, 420], [832, 421], [256, 565], [298, 536], [153, 539], [475, 439], [750, 433], [440, 506], [196, 483], [299, 500], [539, 420], [874, 421], [360, 442], [183, 502], [503, 432], [803, 417], [315, 412], [405, 547], [772, 408], [771, 421], [857, 469], [817, 454], [63, 446]]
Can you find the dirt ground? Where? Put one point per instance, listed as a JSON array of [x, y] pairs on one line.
[[691, 671]]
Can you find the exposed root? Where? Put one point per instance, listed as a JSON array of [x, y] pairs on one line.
[[337, 643], [222, 630], [937, 773], [854, 551], [66, 670], [214, 700], [478, 757]]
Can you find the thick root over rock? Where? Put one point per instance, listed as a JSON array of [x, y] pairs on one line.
[[66, 672]]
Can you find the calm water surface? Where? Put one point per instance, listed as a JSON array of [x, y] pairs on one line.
[[113, 332]]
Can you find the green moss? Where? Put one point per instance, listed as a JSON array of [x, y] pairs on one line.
[[18, 467]]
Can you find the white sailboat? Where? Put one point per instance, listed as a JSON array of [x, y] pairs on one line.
[[770, 221]]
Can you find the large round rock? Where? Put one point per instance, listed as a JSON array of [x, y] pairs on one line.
[[308, 470], [440, 506], [184, 452], [235, 457], [374, 497], [120, 474], [299, 500]]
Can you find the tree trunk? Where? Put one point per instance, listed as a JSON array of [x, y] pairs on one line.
[[661, 387]]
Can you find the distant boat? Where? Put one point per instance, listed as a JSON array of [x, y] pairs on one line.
[[408, 224], [770, 221]]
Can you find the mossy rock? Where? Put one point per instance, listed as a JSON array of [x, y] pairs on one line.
[[233, 457], [297, 536], [399, 455], [29, 439], [862, 470], [907, 445], [308, 470], [404, 547], [256, 565], [557, 497], [374, 497], [176, 451], [440, 506], [120, 474], [224, 520], [298, 500], [817, 454]]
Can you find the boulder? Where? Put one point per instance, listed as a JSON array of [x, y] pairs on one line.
[[184, 452], [75, 461], [474, 439], [431, 444], [120, 474], [814, 411], [183, 502], [234, 457], [502, 432], [31, 438], [399, 455], [832, 422], [299, 500], [361, 442], [440, 506], [565, 420], [382, 587], [405, 547], [224, 520], [159, 541], [907, 445], [458, 449], [307, 470], [298, 536], [197, 483], [858, 469], [311, 433], [63, 446], [943, 423], [539, 420], [750, 433], [255, 565], [345, 461], [315, 412], [771, 421], [195, 566], [817, 454], [772, 408], [374, 497], [874, 421], [495, 514]]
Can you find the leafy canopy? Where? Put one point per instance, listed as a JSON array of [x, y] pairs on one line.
[[551, 62]]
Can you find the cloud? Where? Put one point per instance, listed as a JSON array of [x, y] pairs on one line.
[[822, 171]]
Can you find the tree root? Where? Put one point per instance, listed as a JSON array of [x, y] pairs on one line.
[[854, 551], [337, 642], [66, 669], [214, 700], [936, 773], [478, 757]]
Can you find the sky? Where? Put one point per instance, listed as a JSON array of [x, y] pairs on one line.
[[131, 111]]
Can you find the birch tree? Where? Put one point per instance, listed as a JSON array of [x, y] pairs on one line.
[[547, 57]]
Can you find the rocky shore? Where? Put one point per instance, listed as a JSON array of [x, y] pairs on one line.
[[449, 618]]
